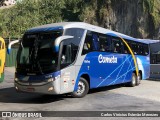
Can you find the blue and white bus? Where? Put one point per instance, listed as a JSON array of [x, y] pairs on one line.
[[73, 57]]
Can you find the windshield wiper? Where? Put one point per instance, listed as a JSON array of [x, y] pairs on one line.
[[40, 68], [33, 56], [29, 56], [36, 61]]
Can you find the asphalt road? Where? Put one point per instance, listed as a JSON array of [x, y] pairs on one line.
[[145, 97]]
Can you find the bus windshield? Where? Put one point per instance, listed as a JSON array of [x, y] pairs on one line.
[[36, 53]]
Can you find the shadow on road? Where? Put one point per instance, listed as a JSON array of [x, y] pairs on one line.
[[10, 95], [106, 88]]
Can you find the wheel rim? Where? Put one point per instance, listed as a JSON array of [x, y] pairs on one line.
[[133, 80], [81, 87]]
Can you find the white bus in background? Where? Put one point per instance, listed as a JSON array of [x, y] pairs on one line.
[[9, 2], [154, 46]]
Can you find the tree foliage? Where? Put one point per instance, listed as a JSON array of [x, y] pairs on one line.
[[25, 14], [29, 13]]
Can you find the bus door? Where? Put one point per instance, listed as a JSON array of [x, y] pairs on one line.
[[67, 48], [67, 57], [2, 58]]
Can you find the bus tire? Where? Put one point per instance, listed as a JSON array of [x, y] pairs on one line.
[[83, 88], [139, 78], [133, 81]]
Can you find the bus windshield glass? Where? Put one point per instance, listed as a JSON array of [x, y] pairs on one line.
[[36, 53]]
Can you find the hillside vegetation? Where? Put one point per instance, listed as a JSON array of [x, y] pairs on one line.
[[138, 18]]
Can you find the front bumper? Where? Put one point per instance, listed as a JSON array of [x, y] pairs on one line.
[[47, 88]]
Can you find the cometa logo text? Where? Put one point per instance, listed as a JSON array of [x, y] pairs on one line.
[[103, 59]]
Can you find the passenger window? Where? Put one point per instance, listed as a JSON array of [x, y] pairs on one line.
[[126, 50], [158, 59], [76, 32], [104, 43], [95, 40], [135, 48], [69, 52], [153, 59], [146, 49], [141, 49], [117, 45], [88, 44], [66, 54]]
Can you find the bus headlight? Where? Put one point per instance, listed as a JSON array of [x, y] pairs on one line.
[[50, 79], [16, 79], [16, 87], [50, 89]]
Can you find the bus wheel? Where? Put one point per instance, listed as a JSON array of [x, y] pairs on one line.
[[139, 78], [133, 81], [83, 88]]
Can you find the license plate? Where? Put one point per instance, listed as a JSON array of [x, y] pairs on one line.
[[30, 89]]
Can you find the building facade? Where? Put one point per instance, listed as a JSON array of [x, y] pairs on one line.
[[8, 2]]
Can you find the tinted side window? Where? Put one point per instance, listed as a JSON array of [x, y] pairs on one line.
[[88, 44], [158, 59], [141, 49], [69, 52], [95, 40], [76, 32], [135, 48], [116, 45], [125, 48], [104, 43], [145, 49], [153, 59]]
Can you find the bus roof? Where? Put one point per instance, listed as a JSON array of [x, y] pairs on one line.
[[150, 41], [65, 25]]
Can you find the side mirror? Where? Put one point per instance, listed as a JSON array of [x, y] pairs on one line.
[[59, 40], [10, 45]]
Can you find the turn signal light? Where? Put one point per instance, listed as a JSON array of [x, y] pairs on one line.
[[51, 80], [16, 88], [50, 89], [16, 79]]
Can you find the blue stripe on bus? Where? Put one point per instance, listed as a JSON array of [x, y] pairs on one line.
[[45, 29]]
